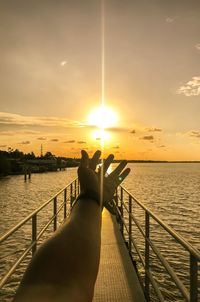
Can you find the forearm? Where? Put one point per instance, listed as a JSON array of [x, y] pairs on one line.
[[70, 259], [84, 237]]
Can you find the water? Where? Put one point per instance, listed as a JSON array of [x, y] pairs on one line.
[[170, 190]]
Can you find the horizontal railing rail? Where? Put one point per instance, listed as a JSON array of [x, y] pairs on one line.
[[68, 198], [127, 220]]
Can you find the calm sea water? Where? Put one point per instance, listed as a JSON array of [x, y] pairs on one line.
[[170, 190]]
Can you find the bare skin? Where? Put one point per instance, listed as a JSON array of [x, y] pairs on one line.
[[65, 267]]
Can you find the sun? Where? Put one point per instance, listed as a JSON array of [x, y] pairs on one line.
[[103, 117]]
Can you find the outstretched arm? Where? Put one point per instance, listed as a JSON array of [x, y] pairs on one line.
[[65, 267]]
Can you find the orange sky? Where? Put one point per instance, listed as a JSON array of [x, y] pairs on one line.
[[50, 76]]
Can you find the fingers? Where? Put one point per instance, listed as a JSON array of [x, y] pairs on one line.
[[123, 175], [119, 169], [84, 159], [94, 160], [107, 163]]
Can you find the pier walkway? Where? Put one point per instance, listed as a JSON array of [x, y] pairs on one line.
[[117, 279]]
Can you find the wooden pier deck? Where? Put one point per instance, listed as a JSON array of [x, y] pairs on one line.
[[117, 279]]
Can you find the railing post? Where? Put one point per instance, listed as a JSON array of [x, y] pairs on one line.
[[193, 279], [121, 210], [55, 214], [116, 199], [147, 233], [34, 233], [65, 203], [130, 224], [78, 187], [71, 194], [75, 188]]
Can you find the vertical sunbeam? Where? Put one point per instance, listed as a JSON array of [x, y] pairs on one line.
[[102, 87]]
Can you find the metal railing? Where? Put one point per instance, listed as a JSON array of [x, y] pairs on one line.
[[125, 210], [68, 195]]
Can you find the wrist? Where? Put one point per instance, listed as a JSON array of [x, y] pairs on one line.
[[89, 195]]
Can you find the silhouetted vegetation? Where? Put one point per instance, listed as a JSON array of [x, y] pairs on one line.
[[17, 162]]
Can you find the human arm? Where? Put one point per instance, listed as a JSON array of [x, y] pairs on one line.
[[65, 267]]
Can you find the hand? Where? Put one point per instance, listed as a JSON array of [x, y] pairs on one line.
[[102, 184]]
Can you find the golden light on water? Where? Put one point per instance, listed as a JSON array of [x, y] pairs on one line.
[[103, 117]]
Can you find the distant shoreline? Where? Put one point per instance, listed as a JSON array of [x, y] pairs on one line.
[[161, 161]]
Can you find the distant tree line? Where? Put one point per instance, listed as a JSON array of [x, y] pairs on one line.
[[13, 161]]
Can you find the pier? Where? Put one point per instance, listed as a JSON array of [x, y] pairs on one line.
[[127, 266], [117, 279]]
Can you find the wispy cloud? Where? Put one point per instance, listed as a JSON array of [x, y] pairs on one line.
[[191, 88], [20, 132], [117, 129], [70, 141], [63, 63], [54, 140], [133, 131], [81, 142], [7, 133], [25, 143], [147, 137], [153, 129], [41, 138], [170, 20], [17, 119], [194, 133], [197, 46], [3, 146], [112, 129], [116, 147]]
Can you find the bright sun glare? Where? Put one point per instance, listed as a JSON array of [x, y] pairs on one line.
[[103, 117]]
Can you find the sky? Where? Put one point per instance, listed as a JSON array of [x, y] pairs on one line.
[[51, 77]]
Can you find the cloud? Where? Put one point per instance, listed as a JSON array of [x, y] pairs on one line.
[[25, 143], [112, 129], [22, 120], [70, 141], [41, 138], [20, 132], [29, 132], [197, 46], [54, 140], [81, 142], [98, 138], [170, 20], [63, 63], [161, 146], [117, 129], [116, 147], [8, 133], [3, 146], [194, 133], [191, 88], [133, 131], [154, 129], [148, 137]]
